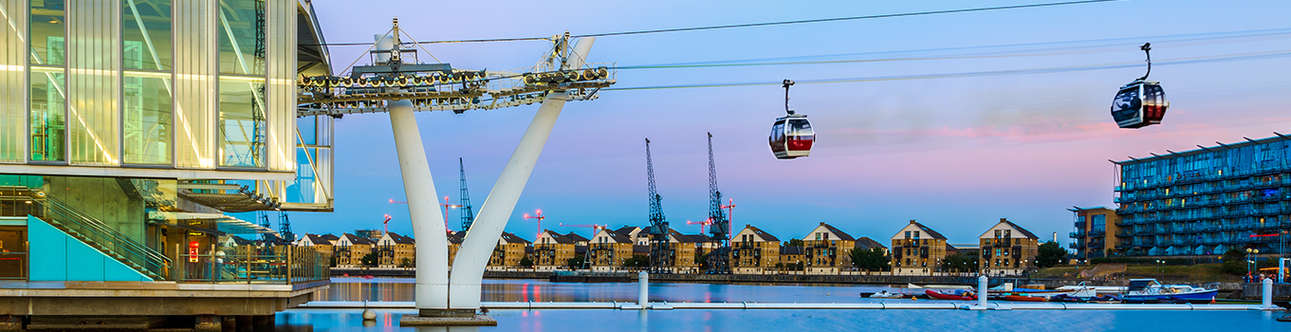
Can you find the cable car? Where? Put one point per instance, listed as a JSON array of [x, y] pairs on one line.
[[1140, 103], [791, 135]]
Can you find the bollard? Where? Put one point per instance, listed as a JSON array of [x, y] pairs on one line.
[[643, 294], [1266, 301], [981, 291], [1282, 268]]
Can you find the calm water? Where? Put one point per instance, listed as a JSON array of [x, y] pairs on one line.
[[745, 320]]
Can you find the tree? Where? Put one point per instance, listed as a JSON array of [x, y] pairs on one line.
[[1050, 254], [960, 262], [1234, 262], [793, 243], [526, 262], [874, 259], [370, 259], [575, 263], [405, 262], [637, 261]]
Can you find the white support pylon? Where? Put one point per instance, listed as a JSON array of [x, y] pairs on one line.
[[431, 291], [468, 266]]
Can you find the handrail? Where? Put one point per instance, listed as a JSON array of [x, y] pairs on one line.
[[149, 260]]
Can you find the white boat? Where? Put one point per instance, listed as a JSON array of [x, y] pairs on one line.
[[885, 294]]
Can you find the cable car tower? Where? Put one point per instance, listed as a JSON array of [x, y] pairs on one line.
[[396, 82], [720, 230], [660, 251]]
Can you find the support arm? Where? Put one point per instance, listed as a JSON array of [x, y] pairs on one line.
[[468, 267]]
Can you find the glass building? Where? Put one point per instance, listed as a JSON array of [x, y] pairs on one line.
[[133, 127], [1205, 201]]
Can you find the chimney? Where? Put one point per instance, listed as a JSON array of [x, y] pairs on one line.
[[912, 221]]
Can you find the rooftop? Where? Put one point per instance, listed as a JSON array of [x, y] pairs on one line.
[[1200, 149]]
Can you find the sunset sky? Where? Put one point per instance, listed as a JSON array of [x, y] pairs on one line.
[[955, 153]]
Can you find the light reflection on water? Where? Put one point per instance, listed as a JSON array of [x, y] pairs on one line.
[[401, 289], [393, 289]]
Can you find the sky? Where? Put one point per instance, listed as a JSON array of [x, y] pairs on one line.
[[956, 154]]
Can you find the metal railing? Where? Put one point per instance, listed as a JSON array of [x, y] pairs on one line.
[[20, 203], [274, 264]]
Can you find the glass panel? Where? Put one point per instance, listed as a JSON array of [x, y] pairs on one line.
[[195, 91], [48, 115], [13, 81], [93, 83], [145, 34], [242, 123], [147, 119], [241, 32], [48, 27]]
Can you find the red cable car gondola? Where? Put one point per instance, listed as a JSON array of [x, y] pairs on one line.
[[791, 135], [1140, 103]]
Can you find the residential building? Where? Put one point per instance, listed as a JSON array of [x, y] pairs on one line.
[[754, 251], [1095, 235], [866, 243], [1205, 201], [454, 243], [554, 250], [509, 251], [321, 243], [609, 249], [1007, 249], [687, 251], [397, 251], [350, 250], [792, 258], [828, 250], [917, 250]]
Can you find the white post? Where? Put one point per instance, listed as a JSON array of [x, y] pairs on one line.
[[1266, 301], [431, 291], [468, 266], [981, 291], [643, 289], [1282, 266]]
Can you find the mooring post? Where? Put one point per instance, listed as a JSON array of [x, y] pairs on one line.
[[981, 291], [643, 291], [1266, 301]]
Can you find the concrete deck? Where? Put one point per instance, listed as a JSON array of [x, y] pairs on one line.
[[110, 299]]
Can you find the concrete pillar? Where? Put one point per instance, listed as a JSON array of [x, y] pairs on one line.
[[1266, 298], [468, 267], [981, 291], [643, 289], [431, 290]]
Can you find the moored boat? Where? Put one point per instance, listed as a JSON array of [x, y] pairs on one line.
[[1025, 298], [1150, 290], [964, 296]]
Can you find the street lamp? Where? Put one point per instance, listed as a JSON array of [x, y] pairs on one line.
[[1161, 268], [1251, 257]]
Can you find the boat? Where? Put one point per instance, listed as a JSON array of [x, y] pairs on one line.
[[1150, 290], [885, 294], [962, 296], [1024, 298]]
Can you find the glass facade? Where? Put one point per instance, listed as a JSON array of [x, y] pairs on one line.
[[242, 123], [1207, 201], [147, 124], [48, 31], [145, 34], [13, 81], [242, 37], [48, 114]]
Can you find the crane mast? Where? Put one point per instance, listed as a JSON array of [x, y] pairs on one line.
[[660, 253], [468, 215], [720, 229]]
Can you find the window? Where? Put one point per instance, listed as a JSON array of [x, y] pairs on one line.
[[48, 117], [241, 34], [242, 123]]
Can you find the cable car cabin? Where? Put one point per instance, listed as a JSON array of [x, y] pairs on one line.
[[792, 137], [1139, 104]]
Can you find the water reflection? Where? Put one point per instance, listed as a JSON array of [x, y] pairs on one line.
[[401, 289]]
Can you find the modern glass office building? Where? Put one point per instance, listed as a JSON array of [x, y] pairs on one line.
[[131, 127], [1205, 201]]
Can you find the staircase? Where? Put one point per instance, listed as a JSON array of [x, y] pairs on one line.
[[92, 232]]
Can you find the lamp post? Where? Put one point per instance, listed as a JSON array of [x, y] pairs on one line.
[[1251, 257], [1161, 268]]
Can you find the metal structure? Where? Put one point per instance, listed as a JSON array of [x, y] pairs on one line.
[[468, 214], [587, 254], [719, 259], [284, 227], [660, 250], [537, 217], [395, 82]]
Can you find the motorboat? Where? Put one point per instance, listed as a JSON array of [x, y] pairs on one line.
[[1150, 290], [885, 294], [950, 295]]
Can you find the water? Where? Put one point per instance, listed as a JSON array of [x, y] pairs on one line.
[[744, 320]]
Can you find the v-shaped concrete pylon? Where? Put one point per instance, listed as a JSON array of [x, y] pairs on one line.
[[468, 266], [431, 291]]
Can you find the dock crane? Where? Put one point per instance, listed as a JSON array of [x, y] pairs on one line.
[[660, 251], [720, 229], [468, 214]]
